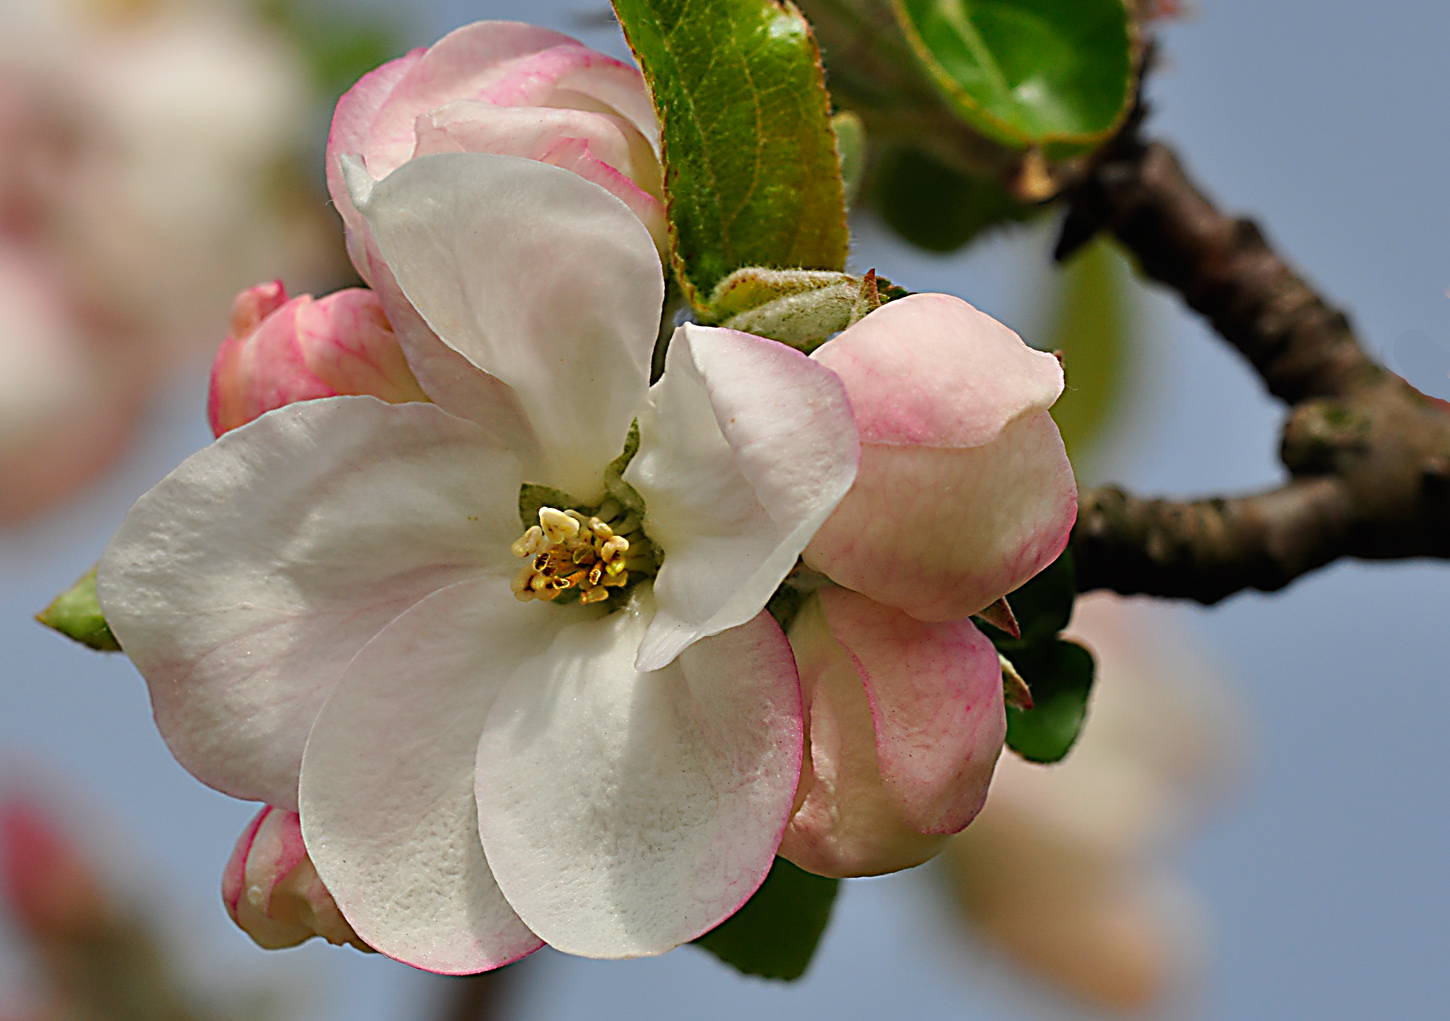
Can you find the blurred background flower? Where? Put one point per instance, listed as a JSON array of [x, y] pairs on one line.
[[153, 162], [1069, 867]]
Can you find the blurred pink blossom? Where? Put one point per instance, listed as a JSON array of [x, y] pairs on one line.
[[140, 150]]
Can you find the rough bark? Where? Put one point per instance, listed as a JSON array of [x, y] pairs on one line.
[[1367, 454]]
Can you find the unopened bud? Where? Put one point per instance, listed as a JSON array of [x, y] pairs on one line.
[[280, 351], [272, 890]]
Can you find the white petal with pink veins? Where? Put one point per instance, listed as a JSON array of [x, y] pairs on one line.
[[625, 813], [244, 582], [746, 447], [556, 290], [387, 782]]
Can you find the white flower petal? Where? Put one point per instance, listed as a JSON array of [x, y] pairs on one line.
[[746, 448], [539, 278], [387, 782], [244, 582], [626, 813]]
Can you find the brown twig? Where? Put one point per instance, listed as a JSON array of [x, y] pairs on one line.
[[1368, 455]]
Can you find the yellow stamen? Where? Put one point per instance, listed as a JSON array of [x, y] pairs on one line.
[[568, 550]]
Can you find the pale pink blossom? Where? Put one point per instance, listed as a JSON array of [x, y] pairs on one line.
[[488, 752], [280, 351], [271, 888], [964, 493]]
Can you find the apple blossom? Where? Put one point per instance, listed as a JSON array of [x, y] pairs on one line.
[[964, 493], [271, 888], [280, 351], [579, 728]]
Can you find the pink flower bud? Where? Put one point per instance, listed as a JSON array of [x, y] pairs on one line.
[[272, 891], [508, 89], [964, 490], [281, 351], [49, 887]]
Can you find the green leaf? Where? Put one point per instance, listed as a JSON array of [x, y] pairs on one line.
[[1042, 607], [1093, 328], [1060, 676], [76, 614], [937, 207], [752, 176], [1027, 72], [775, 934]]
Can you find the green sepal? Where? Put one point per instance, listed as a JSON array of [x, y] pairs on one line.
[[614, 483], [776, 933], [1048, 73], [532, 496], [76, 614], [1059, 674], [801, 308], [752, 175]]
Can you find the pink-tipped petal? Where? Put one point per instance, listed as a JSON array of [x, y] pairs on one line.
[[847, 823], [574, 155], [464, 64], [388, 779], [935, 692], [246, 580], [539, 278], [255, 304], [626, 813], [351, 129], [942, 532], [348, 344], [745, 448], [930, 370]]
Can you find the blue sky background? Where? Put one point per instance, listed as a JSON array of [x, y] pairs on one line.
[[1325, 878]]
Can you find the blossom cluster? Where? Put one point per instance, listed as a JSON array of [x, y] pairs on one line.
[[479, 610]]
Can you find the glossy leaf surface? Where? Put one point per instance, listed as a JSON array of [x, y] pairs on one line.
[[1060, 677], [752, 176], [1027, 72]]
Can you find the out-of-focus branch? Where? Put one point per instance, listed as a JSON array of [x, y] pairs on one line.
[[1368, 455]]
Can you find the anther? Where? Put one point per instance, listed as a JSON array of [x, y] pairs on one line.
[[529, 542], [557, 525]]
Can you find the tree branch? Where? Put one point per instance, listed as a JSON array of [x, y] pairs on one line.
[[1368, 455]]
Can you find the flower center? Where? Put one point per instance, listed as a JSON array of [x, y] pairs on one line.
[[595, 555]]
